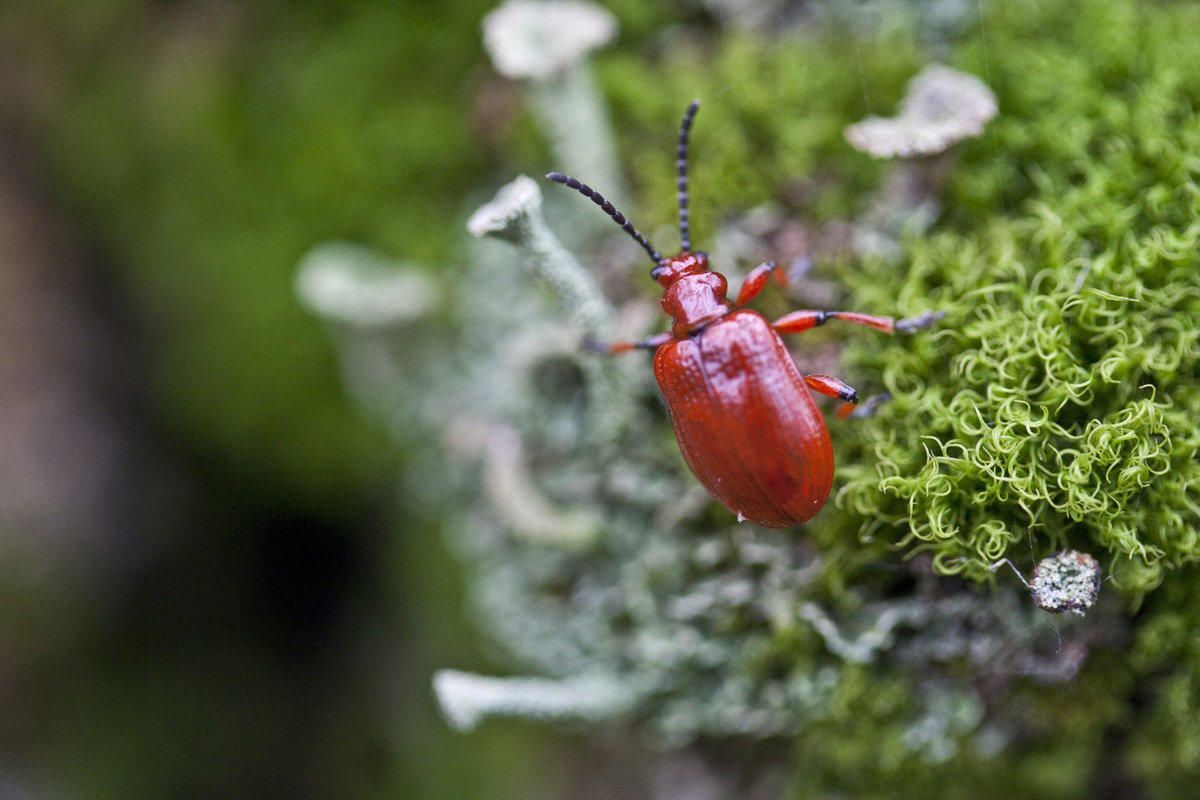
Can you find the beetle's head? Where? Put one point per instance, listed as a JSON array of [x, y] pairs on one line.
[[671, 269]]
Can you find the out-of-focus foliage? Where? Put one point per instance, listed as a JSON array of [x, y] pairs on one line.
[[208, 145], [200, 148], [773, 110]]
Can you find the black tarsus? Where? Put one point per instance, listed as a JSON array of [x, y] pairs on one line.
[[608, 208], [867, 409], [922, 320], [681, 164]]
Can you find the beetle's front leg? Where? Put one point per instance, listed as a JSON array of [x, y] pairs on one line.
[[616, 348], [754, 283]]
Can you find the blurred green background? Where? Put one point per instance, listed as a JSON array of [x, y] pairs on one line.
[[209, 587]]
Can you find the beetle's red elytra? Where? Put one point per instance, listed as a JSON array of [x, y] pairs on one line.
[[743, 414]]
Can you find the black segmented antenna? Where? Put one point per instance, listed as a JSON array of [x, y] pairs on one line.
[[608, 208], [681, 163]]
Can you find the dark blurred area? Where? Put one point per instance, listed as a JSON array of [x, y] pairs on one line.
[[209, 586]]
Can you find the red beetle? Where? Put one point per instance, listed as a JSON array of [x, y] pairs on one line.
[[743, 414]]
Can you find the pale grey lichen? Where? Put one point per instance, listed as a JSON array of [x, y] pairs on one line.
[[949, 716], [467, 699], [942, 106], [863, 648], [374, 307], [515, 217], [540, 38], [352, 284], [512, 493], [1066, 581], [546, 43]]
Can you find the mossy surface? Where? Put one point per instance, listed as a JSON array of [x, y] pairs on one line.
[[1058, 405]]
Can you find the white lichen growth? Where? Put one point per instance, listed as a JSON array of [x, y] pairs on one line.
[[949, 716], [531, 39], [374, 308], [547, 44], [467, 699], [512, 493], [351, 284], [515, 216], [1066, 581], [942, 106], [864, 648]]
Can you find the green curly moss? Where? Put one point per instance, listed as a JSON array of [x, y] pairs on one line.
[[1058, 404]]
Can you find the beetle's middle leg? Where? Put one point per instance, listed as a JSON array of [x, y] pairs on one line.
[[800, 321]]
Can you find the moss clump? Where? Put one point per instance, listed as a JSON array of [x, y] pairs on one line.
[[1058, 405]]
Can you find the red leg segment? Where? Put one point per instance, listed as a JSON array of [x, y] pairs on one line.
[[832, 387], [800, 321], [616, 348], [754, 283], [757, 279]]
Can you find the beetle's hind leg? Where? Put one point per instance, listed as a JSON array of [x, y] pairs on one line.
[[616, 348], [832, 387], [850, 409]]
